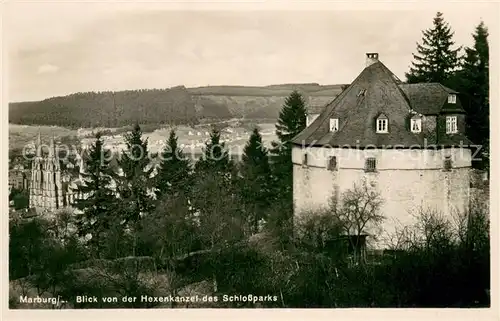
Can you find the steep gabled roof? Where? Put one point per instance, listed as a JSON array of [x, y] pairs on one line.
[[376, 90], [424, 98], [429, 98]]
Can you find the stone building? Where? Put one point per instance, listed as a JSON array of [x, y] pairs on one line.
[[406, 140], [18, 178], [51, 187]]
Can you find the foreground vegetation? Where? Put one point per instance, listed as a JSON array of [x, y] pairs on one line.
[[218, 227], [444, 267]]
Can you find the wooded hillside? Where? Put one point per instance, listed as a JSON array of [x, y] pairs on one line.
[[177, 105]]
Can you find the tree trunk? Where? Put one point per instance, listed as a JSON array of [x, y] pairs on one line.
[[214, 282], [161, 252], [134, 244]]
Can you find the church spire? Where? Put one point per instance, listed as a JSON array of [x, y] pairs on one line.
[[38, 145], [52, 148], [81, 167]]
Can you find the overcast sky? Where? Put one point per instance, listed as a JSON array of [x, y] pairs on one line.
[[57, 49]]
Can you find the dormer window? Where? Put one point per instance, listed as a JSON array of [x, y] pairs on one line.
[[452, 99], [416, 125], [451, 124], [334, 124], [382, 124]]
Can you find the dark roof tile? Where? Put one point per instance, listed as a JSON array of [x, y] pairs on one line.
[[315, 109], [374, 92], [428, 98]]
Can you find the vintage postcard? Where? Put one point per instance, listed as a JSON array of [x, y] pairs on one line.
[[250, 156]]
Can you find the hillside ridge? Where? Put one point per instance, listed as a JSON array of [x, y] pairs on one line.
[[175, 105]]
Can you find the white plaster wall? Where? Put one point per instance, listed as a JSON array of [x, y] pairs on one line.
[[406, 179]]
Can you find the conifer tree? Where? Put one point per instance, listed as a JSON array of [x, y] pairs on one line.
[[174, 171], [472, 81], [292, 120], [135, 159], [214, 198], [215, 157], [97, 200], [255, 177], [435, 60], [135, 179]]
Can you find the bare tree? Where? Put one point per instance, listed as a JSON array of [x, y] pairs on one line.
[[432, 229], [402, 238], [314, 228], [358, 212], [472, 226]]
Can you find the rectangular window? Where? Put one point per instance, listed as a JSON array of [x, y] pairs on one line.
[[447, 163], [332, 163], [451, 124], [452, 99], [371, 164], [334, 124], [382, 125], [304, 159], [416, 125]]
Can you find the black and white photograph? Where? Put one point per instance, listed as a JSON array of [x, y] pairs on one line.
[[217, 158]]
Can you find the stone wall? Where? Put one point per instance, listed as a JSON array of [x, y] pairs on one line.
[[480, 191]]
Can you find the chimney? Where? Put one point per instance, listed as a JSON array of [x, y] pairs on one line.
[[371, 58]]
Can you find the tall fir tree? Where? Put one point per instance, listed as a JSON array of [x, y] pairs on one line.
[[215, 156], [96, 198], [291, 121], [174, 173], [435, 60], [135, 179], [292, 118], [255, 177], [135, 158], [472, 81], [214, 198]]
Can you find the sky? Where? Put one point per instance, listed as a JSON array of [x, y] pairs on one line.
[[56, 49]]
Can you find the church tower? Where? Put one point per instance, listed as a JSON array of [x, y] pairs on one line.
[[36, 181], [46, 183], [52, 172]]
